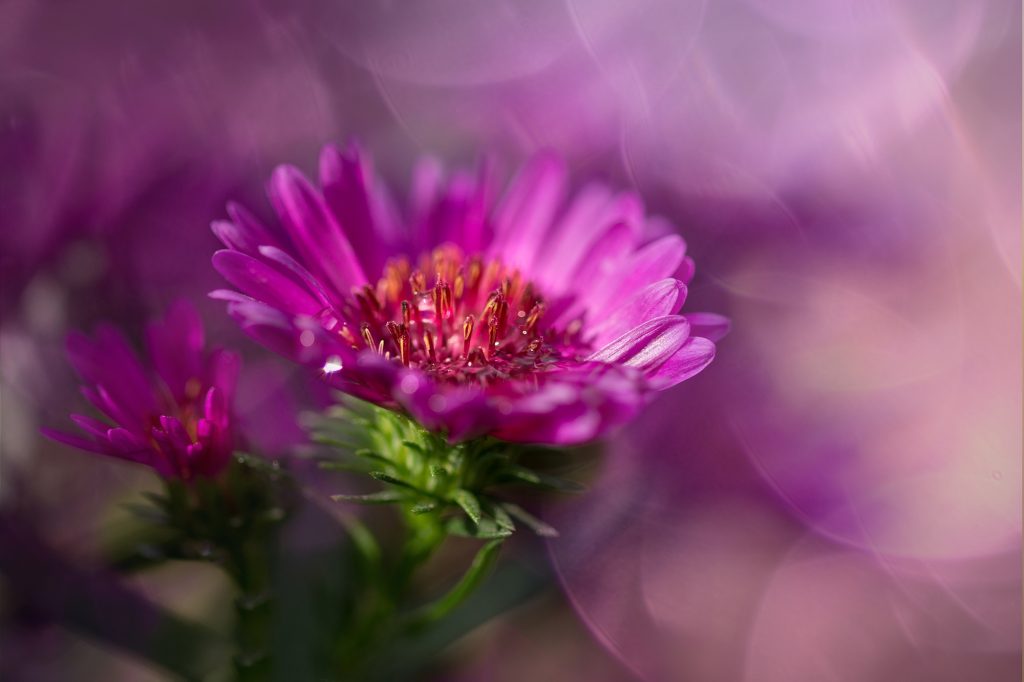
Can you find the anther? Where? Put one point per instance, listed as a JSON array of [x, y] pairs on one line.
[[492, 305], [447, 303], [407, 313], [438, 307], [502, 313], [531, 320], [395, 330], [428, 343], [492, 335], [467, 334], [403, 347], [364, 330]]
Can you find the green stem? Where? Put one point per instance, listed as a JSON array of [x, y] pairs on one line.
[[247, 565], [379, 623], [210, 513], [425, 534], [474, 576], [387, 621]]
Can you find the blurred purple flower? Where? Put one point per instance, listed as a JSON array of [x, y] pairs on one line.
[[179, 421], [526, 319]]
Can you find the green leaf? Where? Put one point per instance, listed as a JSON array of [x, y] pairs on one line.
[[364, 542], [469, 504], [475, 574], [415, 446], [383, 497], [423, 508], [385, 477], [502, 518], [543, 480], [366, 453], [486, 529], [532, 522]]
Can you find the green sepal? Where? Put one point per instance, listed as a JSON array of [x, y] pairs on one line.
[[532, 522], [469, 504], [486, 529], [382, 497], [502, 517], [430, 475], [523, 475]]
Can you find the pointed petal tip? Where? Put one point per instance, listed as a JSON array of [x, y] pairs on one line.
[[711, 326], [689, 360]]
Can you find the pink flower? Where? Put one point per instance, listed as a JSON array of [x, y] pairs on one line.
[[178, 420], [529, 320]]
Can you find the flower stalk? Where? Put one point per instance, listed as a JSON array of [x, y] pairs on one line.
[[231, 521], [438, 489]]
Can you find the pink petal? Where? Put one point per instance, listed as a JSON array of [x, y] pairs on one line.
[[522, 219], [176, 347], [652, 262], [320, 240], [664, 297], [709, 325], [251, 232], [235, 237], [299, 273], [592, 212], [347, 181], [693, 356], [76, 441], [265, 283], [648, 345], [603, 259], [222, 369]]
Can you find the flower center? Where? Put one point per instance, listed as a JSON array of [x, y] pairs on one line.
[[459, 319]]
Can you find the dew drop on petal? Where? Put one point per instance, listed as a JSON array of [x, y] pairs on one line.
[[332, 365]]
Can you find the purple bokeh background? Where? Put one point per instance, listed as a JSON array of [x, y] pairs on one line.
[[837, 497]]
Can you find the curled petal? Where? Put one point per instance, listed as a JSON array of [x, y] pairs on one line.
[[75, 441], [647, 346], [664, 297], [693, 356], [711, 326], [264, 283], [313, 229], [349, 191]]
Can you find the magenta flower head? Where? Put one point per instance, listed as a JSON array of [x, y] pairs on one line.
[[175, 419], [529, 319]]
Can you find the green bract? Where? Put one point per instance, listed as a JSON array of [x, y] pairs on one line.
[[457, 486]]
